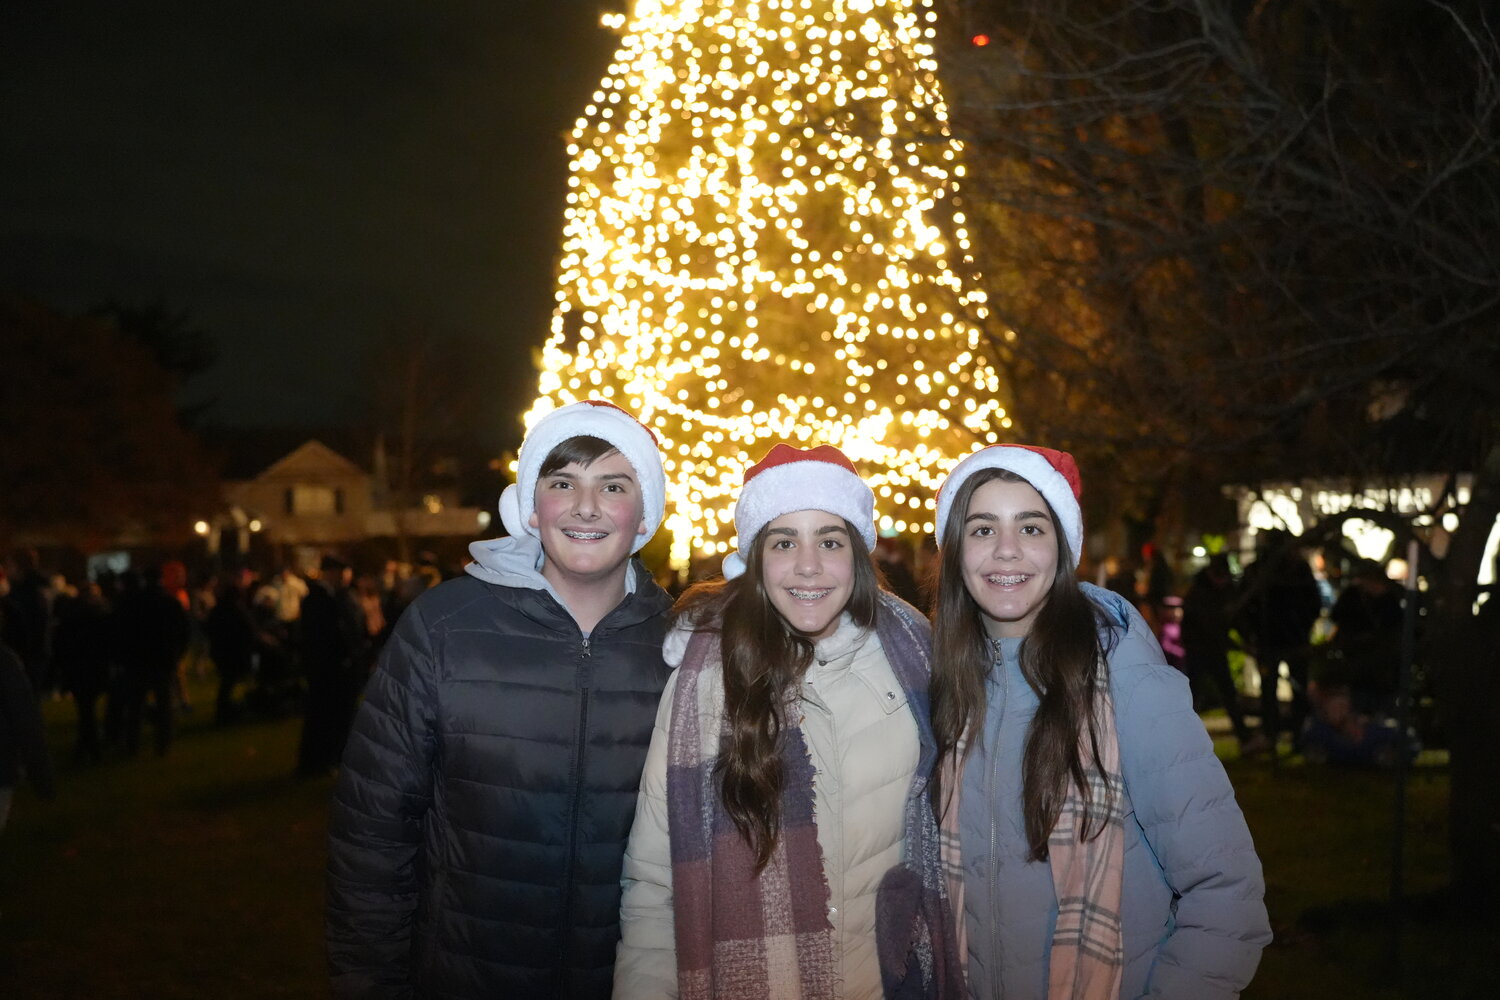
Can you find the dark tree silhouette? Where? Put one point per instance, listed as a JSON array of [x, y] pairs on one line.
[[90, 442], [1236, 241]]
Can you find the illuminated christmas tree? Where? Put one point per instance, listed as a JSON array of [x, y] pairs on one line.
[[755, 250]]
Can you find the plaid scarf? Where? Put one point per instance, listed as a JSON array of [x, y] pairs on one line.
[[1088, 953], [742, 936]]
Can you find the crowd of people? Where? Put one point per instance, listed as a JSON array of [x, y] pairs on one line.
[[124, 648], [1332, 644]]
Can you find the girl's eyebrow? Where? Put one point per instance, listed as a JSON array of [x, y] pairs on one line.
[[825, 530], [1025, 515]]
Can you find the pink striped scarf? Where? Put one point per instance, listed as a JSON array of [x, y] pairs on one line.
[[740, 935]]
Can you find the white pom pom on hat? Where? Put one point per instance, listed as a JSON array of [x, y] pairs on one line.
[[790, 479], [590, 418], [1051, 473]]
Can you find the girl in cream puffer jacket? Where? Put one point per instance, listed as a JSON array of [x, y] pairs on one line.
[[784, 842], [863, 742]]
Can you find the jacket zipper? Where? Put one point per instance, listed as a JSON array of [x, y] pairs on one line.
[[994, 812], [585, 670]]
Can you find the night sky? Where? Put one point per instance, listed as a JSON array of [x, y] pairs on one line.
[[297, 176]]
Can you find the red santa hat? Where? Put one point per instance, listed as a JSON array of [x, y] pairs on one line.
[[1051, 473], [791, 479], [590, 418]]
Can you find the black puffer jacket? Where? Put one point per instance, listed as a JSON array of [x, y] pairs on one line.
[[486, 795]]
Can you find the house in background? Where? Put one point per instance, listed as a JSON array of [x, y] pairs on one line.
[[314, 499], [312, 496]]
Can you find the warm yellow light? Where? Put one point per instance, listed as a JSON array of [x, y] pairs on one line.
[[754, 251]]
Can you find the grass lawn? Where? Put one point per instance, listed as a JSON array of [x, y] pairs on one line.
[[199, 875]]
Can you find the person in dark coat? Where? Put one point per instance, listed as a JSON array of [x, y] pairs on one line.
[[333, 647], [1367, 620], [152, 630], [231, 645], [486, 794], [25, 616], [1207, 616], [23, 743], [80, 659], [1282, 602], [119, 590]]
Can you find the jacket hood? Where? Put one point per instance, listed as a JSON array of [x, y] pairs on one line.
[[675, 647], [512, 561], [1115, 607], [515, 562]]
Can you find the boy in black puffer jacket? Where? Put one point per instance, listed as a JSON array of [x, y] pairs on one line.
[[487, 790]]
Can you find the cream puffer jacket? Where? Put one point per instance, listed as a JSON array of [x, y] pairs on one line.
[[863, 743]]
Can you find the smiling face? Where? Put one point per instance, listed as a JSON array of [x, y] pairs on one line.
[[588, 517], [1009, 554], [807, 568]]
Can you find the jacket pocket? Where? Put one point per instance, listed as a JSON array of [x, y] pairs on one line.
[[888, 695]]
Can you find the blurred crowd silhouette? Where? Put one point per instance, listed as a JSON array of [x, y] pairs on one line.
[[1311, 653], [124, 646]]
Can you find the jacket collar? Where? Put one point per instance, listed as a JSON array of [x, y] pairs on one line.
[[644, 601]]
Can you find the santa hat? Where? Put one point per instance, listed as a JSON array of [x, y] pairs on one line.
[[790, 479], [590, 418], [1051, 473]]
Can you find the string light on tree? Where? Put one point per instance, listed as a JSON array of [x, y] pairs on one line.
[[752, 252]]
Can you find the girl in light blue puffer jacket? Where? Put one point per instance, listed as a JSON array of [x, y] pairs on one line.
[[1100, 851]]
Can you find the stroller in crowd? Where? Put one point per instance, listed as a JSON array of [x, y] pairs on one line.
[[1352, 694]]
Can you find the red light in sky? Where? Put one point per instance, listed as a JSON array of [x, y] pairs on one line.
[[980, 41]]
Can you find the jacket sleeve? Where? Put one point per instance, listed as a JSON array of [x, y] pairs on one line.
[[1188, 815], [646, 960], [384, 791]]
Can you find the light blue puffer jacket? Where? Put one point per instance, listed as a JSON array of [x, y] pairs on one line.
[[1193, 915]]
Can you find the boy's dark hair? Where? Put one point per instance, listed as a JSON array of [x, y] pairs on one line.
[[583, 449]]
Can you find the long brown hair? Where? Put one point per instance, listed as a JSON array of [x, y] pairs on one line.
[[762, 661], [1060, 659]]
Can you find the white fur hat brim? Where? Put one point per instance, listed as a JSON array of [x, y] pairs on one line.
[[606, 422], [1030, 466], [794, 486]]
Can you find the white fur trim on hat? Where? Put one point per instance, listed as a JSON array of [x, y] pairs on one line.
[[799, 481], [592, 419], [1040, 468]]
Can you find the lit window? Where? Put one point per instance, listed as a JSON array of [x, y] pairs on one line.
[[314, 501]]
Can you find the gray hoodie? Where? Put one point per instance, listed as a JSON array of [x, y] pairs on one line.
[[516, 561]]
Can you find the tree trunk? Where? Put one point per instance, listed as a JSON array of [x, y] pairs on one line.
[[1464, 649], [1473, 719]]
